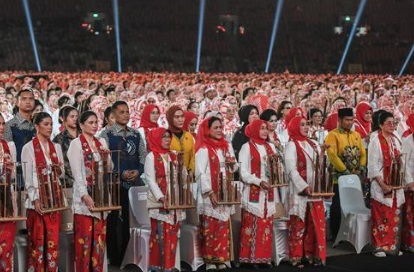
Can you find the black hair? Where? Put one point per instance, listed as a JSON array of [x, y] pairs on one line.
[[206, 113], [85, 115], [38, 103], [246, 91], [77, 94], [65, 111], [159, 92], [39, 117], [118, 103], [48, 92], [108, 90], [169, 91], [267, 114], [212, 120], [384, 116], [375, 120], [312, 112], [25, 90], [282, 107], [107, 112], [62, 100], [190, 104]]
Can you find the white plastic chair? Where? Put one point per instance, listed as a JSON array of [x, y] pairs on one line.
[[137, 251], [190, 239], [280, 240], [356, 218]]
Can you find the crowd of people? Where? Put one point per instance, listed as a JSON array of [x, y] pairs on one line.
[[68, 124]]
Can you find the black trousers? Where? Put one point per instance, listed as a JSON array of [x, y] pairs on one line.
[[335, 213]]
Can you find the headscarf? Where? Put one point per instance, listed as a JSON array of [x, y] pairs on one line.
[[410, 124], [361, 109], [253, 131], [155, 140], [244, 113], [294, 129], [146, 117], [331, 122], [203, 139], [188, 117], [170, 118], [291, 114]]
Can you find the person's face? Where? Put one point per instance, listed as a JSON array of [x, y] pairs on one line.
[[45, 127], [171, 96], [25, 102], [304, 128], [90, 126], [151, 100], [388, 126], [2, 126], [58, 92], [195, 108], [121, 115], [193, 125], [39, 108], [166, 140], [10, 98], [72, 118], [110, 120], [253, 115], [160, 97], [178, 119], [52, 93], [298, 113], [368, 116], [2, 93], [264, 132], [230, 113], [216, 130], [154, 115], [286, 109], [317, 118], [112, 97], [272, 124], [346, 122], [210, 94]]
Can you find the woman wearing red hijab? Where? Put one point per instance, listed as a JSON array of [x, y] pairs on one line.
[[190, 122], [258, 201], [165, 223], [149, 121], [212, 150], [307, 214], [407, 242], [363, 121]]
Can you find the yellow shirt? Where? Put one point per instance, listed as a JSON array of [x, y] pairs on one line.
[[346, 152], [185, 144]]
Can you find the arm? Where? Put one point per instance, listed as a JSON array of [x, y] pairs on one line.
[[30, 174], [201, 173], [8, 135], [408, 157], [291, 168], [58, 149], [245, 171], [76, 162], [150, 177], [363, 160], [142, 153]]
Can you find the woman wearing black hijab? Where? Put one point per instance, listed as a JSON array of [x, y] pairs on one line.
[[247, 114]]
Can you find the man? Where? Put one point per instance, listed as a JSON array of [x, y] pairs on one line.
[[347, 156], [171, 96], [209, 94], [128, 141], [20, 128]]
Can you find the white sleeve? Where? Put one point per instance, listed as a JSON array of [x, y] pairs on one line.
[[12, 148], [105, 146], [245, 165], [375, 159], [29, 172], [408, 157], [149, 171], [58, 149], [75, 157], [291, 167], [202, 172]]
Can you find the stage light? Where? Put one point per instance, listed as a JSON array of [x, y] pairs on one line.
[[117, 35], [32, 36], [95, 15], [200, 33], [351, 36], [407, 60], [274, 32], [348, 18]]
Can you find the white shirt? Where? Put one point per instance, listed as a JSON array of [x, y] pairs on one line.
[[155, 192], [80, 188], [297, 203], [249, 178], [30, 171], [408, 155], [203, 178]]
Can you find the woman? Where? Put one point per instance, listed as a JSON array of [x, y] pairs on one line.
[[316, 131], [70, 131], [408, 219], [41, 156], [281, 130], [386, 203], [194, 107], [165, 224], [8, 228], [307, 214], [85, 153], [363, 119], [270, 116], [212, 151], [190, 122], [258, 201], [149, 121], [247, 114]]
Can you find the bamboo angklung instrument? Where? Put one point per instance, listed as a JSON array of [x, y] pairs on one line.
[[228, 191], [322, 184]]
